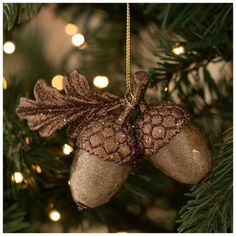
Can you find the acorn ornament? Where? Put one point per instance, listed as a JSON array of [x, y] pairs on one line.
[[109, 147], [105, 157], [172, 143]]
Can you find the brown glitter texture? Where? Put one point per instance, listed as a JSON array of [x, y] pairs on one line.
[[107, 139], [158, 124], [108, 145], [88, 114], [77, 107]]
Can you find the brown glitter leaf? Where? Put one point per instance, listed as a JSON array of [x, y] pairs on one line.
[[52, 110]]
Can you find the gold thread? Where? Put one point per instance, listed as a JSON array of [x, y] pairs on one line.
[[128, 60]]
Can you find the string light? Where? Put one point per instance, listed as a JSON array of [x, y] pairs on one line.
[[57, 82], [9, 47], [78, 40], [178, 50], [4, 83], [27, 140], [37, 168], [68, 182], [166, 89], [67, 149], [54, 215], [71, 29], [17, 177], [100, 81]]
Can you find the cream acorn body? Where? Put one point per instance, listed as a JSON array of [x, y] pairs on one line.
[[172, 143], [102, 164]]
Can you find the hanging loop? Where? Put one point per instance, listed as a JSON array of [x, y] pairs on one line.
[[128, 61]]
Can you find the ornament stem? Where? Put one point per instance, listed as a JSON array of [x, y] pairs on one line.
[[139, 88]]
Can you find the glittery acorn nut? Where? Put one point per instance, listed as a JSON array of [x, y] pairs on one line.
[[102, 164], [172, 143]]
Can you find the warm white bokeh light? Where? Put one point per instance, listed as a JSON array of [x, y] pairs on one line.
[[100, 81], [27, 140], [9, 47], [54, 215], [178, 50], [57, 82], [67, 149], [71, 29], [37, 168], [78, 40], [17, 177], [4, 83]]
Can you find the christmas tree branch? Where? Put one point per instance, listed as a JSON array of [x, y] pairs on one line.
[[15, 13]]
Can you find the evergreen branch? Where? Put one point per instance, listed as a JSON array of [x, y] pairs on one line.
[[202, 19], [210, 209], [14, 219], [15, 13]]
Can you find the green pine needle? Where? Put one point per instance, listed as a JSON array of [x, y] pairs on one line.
[[15, 13]]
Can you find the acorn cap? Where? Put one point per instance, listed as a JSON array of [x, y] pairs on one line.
[[158, 124], [107, 139]]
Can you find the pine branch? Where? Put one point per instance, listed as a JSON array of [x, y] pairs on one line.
[[14, 219], [206, 34], [203, 19], [15, 13], [210, 210]]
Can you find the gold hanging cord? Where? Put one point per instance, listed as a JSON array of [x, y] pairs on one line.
[[128, 60]]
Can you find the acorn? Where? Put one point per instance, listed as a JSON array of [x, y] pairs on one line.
[[106, 156], [172, 143]]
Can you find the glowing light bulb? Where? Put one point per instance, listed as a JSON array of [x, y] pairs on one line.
[[9, 47], [57, 82], [17, 177], [54, 215], [178, 50], [166, 89], [4, 83], [100, 81], [67, 149], [68, 182], [78, 40], [27, 140], [37, 168], [71, 29]]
